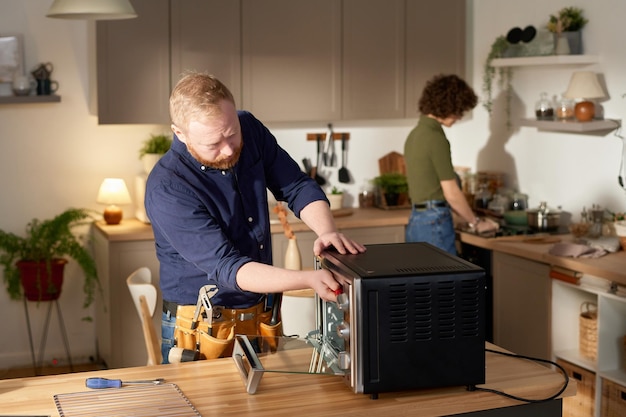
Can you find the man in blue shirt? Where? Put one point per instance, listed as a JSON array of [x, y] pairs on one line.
[[207, 202]]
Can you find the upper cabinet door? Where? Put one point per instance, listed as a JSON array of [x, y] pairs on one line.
[[133, 63], [373, 59], [206, 37], [292, 59], [436, 43]]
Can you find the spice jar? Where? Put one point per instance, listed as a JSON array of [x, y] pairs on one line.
[[544, 109], [565, 109]]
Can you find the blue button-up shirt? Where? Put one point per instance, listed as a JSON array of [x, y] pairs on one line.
[[208, 222]]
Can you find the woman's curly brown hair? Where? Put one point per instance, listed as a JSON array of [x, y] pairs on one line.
[[447, 95]]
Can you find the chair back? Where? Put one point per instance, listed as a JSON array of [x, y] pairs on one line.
[[144, 296]]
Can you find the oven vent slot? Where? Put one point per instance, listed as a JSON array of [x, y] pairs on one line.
[[430, 269], [445, 310], [398, 313]]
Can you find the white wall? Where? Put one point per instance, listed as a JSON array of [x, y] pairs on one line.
[[55, 155]]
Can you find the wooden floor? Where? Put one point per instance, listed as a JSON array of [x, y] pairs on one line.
[[50, 370]]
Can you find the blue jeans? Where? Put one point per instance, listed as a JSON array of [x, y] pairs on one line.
[[434, 226], [168, 323]]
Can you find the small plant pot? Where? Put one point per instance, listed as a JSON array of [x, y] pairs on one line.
[[336, 201], [38, 283]]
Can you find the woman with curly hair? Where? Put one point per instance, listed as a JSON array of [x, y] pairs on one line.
[[433, 185]]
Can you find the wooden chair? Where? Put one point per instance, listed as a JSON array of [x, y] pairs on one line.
[[145, 296]]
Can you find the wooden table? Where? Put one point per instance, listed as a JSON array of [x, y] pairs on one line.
[[215, 388]]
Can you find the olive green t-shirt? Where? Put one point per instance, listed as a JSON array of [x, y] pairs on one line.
[[428, 160]]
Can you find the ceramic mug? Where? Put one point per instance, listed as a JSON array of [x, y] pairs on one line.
[[22, 85], [46, 87]]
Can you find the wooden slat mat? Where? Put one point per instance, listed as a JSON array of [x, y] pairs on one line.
[[150, 400]]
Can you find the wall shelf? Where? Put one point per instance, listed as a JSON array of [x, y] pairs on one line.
[[53, 98], [573, 126], [527, 61]]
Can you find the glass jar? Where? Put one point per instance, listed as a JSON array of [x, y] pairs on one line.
[[544, 109], [565, 109]]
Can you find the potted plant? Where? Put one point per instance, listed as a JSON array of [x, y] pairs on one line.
[[335, 198], [504, 76], [33, 263], [153, 149], [392, 186], [566, 26]]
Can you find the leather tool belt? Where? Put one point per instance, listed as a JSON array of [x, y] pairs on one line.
[[214, 337]]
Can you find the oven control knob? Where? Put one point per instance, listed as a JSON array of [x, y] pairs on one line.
[[343, 302], [343, 360], [343, 330]]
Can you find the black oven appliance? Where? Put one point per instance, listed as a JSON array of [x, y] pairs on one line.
[[409, 316]]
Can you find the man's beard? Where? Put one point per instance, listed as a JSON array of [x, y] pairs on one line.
[[222, 163]]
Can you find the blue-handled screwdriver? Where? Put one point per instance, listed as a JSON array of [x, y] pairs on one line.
[[97, 383]]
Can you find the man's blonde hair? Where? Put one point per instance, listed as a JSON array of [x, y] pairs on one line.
[[196, 97]]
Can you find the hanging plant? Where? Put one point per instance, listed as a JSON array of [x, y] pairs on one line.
[[503, 74]]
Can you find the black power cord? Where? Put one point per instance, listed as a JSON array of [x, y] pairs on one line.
[[526, 400]]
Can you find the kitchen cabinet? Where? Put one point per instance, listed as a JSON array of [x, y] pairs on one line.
[[373, 59], [119, 250], [195, 27], [435, 44], [321, 61], [364, 235], [133, 65], [610, 365], [292, 59], [521, 305]]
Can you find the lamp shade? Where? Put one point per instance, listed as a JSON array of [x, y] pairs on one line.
[[584, 85], [113, 191], [92, 9]]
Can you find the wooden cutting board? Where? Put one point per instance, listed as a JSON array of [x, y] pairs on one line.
[[392, 162]]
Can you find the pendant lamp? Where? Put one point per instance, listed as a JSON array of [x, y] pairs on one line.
[[92, 9]]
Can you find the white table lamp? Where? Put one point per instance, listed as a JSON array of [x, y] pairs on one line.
[[113, 192], [584, 85]]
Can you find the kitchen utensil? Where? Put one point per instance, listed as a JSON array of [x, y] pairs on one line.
[[543, 217], [306, 163], [330, 159], [98, 383], [315, 170], [344, 174], [43, 71]]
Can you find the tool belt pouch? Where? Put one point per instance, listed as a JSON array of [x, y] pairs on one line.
[[211, 343]]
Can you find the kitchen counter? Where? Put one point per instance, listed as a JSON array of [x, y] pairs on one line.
[[346, 218], [350, 218], [610, 267], [215, 388]]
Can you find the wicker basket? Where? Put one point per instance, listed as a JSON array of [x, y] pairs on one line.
[[588, 334], [613, 399], [583, 403]]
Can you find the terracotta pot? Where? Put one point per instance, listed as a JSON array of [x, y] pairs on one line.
[[40, 284]]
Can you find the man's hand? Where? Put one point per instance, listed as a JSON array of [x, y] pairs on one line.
[[325, 285], [342, 243]]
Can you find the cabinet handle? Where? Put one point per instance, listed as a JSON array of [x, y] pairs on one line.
[[577, 376]]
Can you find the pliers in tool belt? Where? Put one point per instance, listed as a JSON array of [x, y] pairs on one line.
[[204, 300]]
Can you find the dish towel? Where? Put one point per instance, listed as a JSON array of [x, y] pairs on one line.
[[574, 250]]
